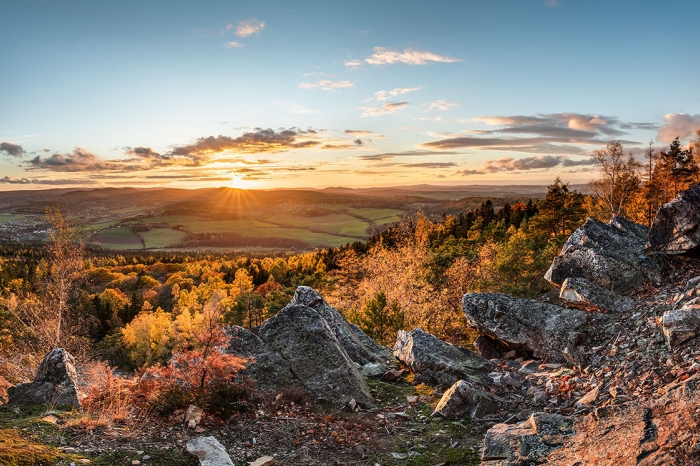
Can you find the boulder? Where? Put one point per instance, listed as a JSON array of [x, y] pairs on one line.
[[209, 452], [361, 348], [609, 255], [676, 227], [54, 384], [526, 443], [581, 292], [433, 360], [465, 398], [306, 345], [681, 325], [538, 329]]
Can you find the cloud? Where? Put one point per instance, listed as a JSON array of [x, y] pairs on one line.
[[431, 165], [353, 63], [389, 107], [326, 85], [80, 160], [551, 3], [470, 172], [15, 150], [143, 152], [443, 105], [385, 95], [385, 56], [233, 45], [536, 162], [249, 27], [411, 153], [13, 180], [679, 125]]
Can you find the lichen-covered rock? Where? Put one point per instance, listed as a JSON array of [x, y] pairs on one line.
[[466, 398], [269, 370], [581, 292], [209, 452], [54, 384], [528, 442], [676, 227], [681, 325], [540, 329], [433, 360], [361, 348], [610, 255]]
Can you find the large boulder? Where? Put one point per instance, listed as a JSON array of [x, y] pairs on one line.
[[433, 360], [54, 384], [609, 255], [676, 227], [309, 346], [581, 292], [543, 330], [465, 398]]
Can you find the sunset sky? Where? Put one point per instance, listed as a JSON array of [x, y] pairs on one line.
[[264, 94]]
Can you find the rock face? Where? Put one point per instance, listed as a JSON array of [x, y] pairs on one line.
[[209, 452], [309, 346], [581, 292], [609, 255], [465, 398], [543, 330], [526, 443], [433, 360], [681, 325], [676, 227], [54, 384]]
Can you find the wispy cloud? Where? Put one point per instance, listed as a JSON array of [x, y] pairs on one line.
[[431, 165], [443, 105], [296, 108], [326, 85], [14, 150], [233, 45], [679, 125], [249, 27], [411, 153], [537, 162], [386, 95], [389, 107], [385, 56], [13, 180]]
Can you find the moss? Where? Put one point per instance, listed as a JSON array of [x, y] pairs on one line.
[[18, 451], [170, 457]]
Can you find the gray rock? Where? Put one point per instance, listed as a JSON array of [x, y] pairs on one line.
[[372, 369], [676, 227], [513, 379], [54, 384], [465, 398], [581, 292], [487, 347], [434, 360], [209, 452], [609, 255], [528, 442], [681, 325], [266, 366], [539, 329], [361, 348]]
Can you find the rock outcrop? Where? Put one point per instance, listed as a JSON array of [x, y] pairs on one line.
[[676, 227], [433, 360], [609, 255], [581, 292], [54, 384], [309, 346], [542, 330], [466, 398]]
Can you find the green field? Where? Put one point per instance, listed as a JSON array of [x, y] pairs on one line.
[[119, 238], [10, 217], [161, 237]]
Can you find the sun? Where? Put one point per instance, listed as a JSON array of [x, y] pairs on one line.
[[239, 183]]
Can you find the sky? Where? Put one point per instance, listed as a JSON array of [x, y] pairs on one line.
[[267, 94]]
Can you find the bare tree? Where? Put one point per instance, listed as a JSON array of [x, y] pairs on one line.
[[619, 179], [65, 253]]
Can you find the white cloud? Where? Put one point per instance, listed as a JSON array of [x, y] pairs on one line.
[[233, 45], [679, 125], [385, 56], [443, 105], [326, 85], [352, 63], [389, 107], [249, 27], [385, 95]]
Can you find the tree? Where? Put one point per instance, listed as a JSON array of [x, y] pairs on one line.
[[678, 164], [381, 320], [619, 179], [65, 251], [560, 212]]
